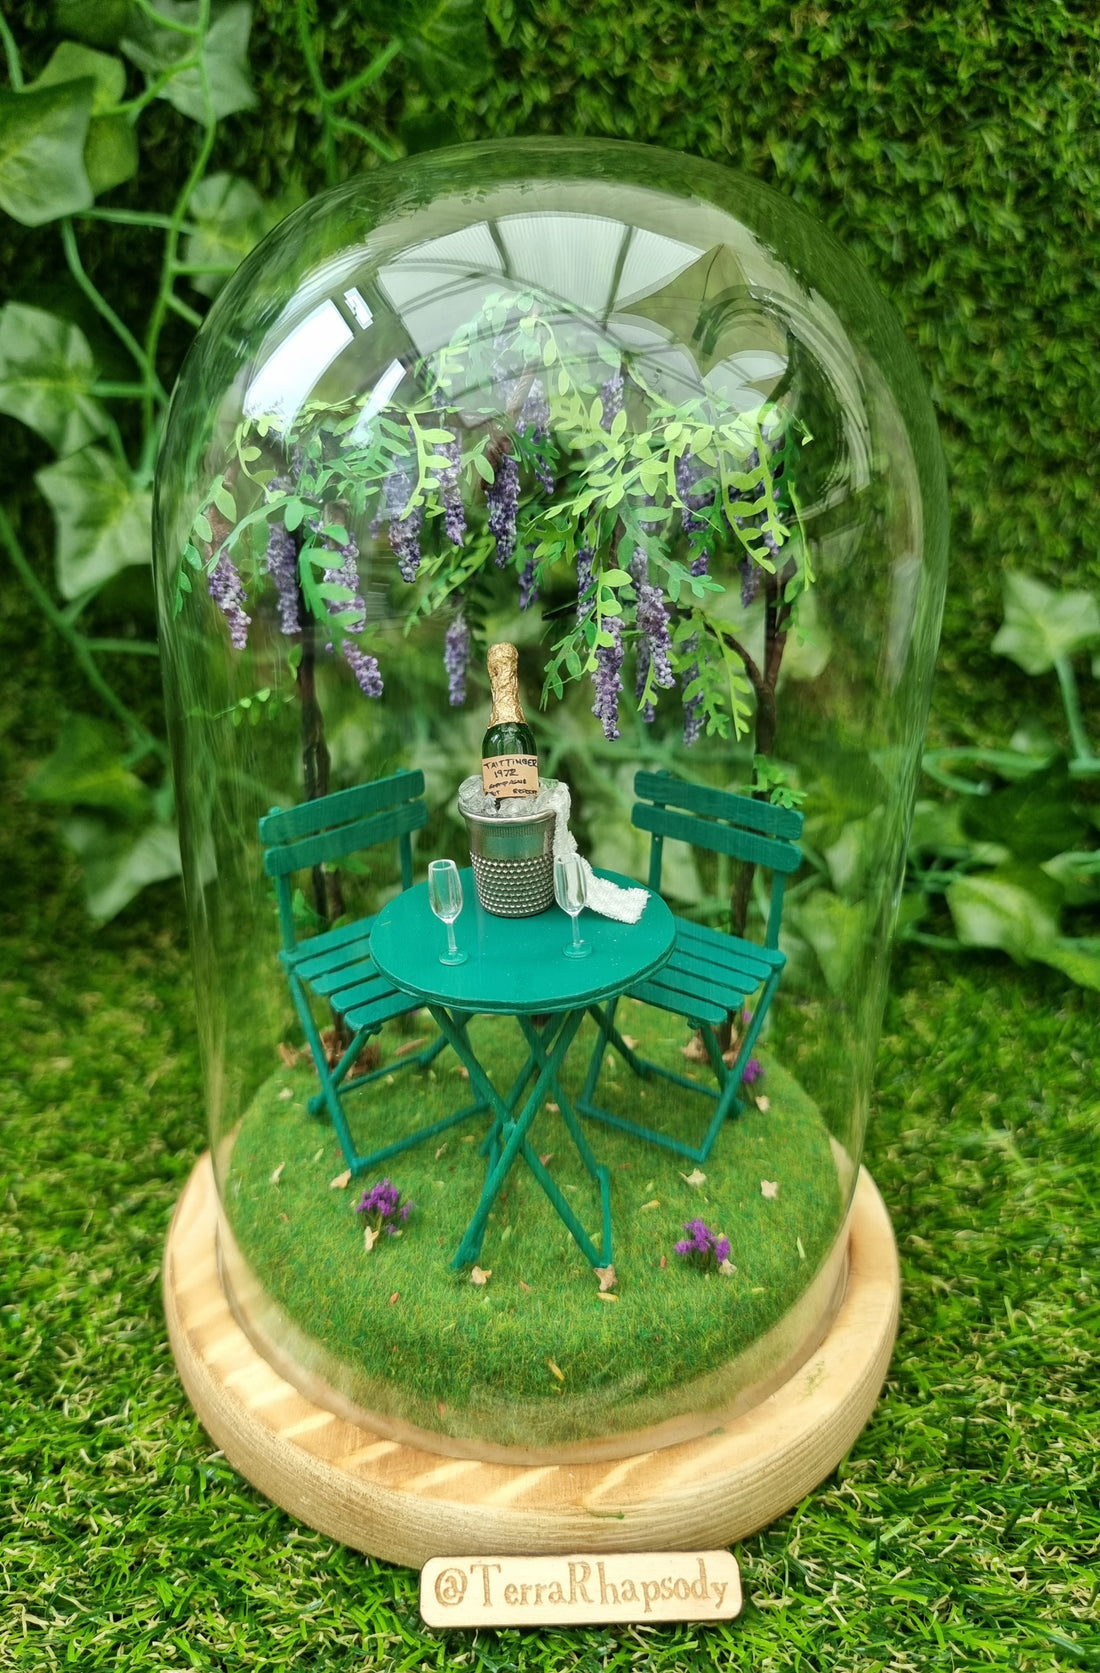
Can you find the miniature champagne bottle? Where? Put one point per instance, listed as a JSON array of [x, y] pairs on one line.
[[509, 763]]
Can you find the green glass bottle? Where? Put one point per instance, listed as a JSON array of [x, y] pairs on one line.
[[509, 762]]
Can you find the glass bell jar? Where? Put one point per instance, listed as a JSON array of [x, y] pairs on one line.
[[494, 1182]]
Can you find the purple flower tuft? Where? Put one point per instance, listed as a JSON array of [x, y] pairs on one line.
[[752, 1071], [456, 659], [704, 1248], [607, 679], [382, 1204], [227, 591], [502, 499]]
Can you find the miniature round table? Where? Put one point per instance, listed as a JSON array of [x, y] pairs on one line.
[[518, 967]]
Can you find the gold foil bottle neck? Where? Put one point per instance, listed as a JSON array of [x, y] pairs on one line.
[[503, 664]]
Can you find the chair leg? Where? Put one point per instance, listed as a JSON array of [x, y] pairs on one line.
[[330, 1087], [608, 1035], [420, 1061]]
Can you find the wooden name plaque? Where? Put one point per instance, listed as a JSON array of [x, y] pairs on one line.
[[587, 1589]]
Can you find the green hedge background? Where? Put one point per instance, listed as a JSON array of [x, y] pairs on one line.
[[955, 148]]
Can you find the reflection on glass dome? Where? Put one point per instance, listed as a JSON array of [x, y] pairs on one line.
[[642, 418]]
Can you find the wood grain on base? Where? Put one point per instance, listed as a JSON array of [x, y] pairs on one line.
[[407, 1505]]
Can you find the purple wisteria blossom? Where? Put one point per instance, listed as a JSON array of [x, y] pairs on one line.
[[752, 1071], [502, 370], [641, 677], [346, 574], [585, 568], [655, 642], [528, 584], [227, 591], [754, 517], [454, 515], [608, 679], [502, 500], [611, 399], [702, 1247], [693, 706], [534, 415], [404, 531], [688, 473], [364, 667], [282, 566], [456, 659]]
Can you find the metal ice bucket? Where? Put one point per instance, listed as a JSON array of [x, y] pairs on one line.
[[513, 861]]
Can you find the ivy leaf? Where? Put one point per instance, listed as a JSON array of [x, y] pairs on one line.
[[118, 864], [155, 49], [111, 154], [42, 135], [103, 525], [231, 217], [1014, 909], [837, 931], [1041, 624], [1035, 819], [71, 62], [86, 770], [46, 373], [99, 22], [1079, 959], [111, 149], [446, 40]]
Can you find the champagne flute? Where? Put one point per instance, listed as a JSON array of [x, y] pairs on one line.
[[445, 895], [571, 893]]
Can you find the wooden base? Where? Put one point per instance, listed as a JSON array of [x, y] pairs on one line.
[[406, 1505]]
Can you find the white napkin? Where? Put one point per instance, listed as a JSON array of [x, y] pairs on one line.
[[605, 898]]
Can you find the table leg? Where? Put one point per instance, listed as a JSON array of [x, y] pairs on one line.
[[597, 1170], [470, 1247]]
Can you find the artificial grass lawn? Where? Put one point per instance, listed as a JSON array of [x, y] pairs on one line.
[[535, 1356]]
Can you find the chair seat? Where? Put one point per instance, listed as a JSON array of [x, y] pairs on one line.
[[336, 947], [709, 974]]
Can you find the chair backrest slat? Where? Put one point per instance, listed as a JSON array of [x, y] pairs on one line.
[[289, 824], [333, 844], [701, 800], [738, 843]]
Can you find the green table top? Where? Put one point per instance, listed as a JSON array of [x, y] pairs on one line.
[[516, 965]]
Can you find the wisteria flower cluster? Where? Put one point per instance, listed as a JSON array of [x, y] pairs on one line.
[[527, 456], [703, 1248], [382, 1212]]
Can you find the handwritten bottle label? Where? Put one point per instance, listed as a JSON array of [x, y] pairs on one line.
[[510, 775]]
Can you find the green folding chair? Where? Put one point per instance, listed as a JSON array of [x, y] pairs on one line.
[[710, 974], [337, 966]]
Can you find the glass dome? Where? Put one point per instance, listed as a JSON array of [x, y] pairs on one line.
[[645, 420]]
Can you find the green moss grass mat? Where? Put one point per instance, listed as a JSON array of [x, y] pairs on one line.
[[536, 1354]]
